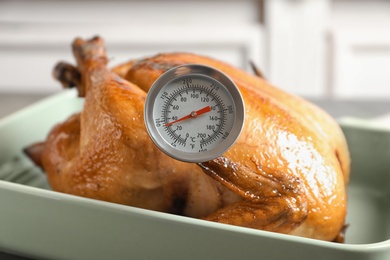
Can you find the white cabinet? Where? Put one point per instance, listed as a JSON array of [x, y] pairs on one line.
[[297, 45], [361, 49], [37, 34], [330, 48], [321, 48]]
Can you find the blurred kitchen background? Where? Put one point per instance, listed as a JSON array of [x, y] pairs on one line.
[[333, 52]]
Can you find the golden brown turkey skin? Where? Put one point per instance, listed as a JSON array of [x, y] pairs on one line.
[[287, 172], [288, 146], [105, 152]]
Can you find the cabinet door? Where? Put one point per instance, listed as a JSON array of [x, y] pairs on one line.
[[35, 35], [361, 49]]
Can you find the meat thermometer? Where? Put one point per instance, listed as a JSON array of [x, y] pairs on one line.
[[194, 113]]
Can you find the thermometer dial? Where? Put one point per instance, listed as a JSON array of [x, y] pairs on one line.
[[194, 113]]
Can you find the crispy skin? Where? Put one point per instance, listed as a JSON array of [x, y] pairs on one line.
[[284, 135], [105, 152], [145, 72], [287, 172], [123, 68]]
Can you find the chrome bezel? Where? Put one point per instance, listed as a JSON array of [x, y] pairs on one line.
[[198, 70]]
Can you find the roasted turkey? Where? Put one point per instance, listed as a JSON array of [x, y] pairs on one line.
[[287, 172]]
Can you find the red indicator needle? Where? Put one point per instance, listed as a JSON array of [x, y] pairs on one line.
[[193, 114]]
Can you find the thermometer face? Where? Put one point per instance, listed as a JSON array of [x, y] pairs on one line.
[[194, 113]]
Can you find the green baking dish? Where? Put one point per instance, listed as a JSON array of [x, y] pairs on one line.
[[39, 223]]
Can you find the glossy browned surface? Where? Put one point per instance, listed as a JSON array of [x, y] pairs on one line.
[[287, 172], [105, 152], [287, 144]]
